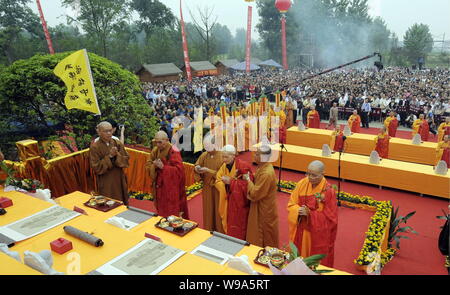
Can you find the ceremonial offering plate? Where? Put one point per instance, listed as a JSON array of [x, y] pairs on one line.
[[176, 225], [277, 257], [102, 203]]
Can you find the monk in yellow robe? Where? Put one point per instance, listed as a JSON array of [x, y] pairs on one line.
[[108, 158], [382, 143], [354, 122], [233, 203], [313, 118], [443, 151], [313, 215], [444, 129], [391, 123], [262, 226], [420, 126], [206, 168]]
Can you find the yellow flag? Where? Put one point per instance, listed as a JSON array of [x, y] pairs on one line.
[[198, 130], [75, 71]]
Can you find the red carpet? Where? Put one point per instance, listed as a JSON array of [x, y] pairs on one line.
[[418, 255]]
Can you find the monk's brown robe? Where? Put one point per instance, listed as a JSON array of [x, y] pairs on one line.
[[262, 227], [210, 195], [111, 179]]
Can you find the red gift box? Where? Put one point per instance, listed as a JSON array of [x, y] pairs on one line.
[[61, 245], [5, 202]]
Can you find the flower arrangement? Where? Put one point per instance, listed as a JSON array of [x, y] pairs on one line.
[[29, 185], [140, 196], [190, 190], [194, 188]]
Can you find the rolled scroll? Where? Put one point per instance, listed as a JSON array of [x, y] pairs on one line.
[[230, 238], [88, 238]]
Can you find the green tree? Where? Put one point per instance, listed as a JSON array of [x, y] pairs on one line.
[[98, 18], [153, 15], [32, 96], [16, 18], [418, 42]]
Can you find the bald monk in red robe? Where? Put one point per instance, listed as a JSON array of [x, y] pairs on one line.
[[391, 123], [313, 118], [337, 140], [233, 203], [444, 129], [354, 122], [166, 170], [421, 127], [262, 227], [313, 215], [382, 143], [443, 151]]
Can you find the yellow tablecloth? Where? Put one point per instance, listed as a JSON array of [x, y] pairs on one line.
[[10, 266], [116, 240], [395, 174], [363, 144]]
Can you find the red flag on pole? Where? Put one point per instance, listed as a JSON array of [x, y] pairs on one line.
[[249, 40], [283, 41], [185, 48], [44, 25]]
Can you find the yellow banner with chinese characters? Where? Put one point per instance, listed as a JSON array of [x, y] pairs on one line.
[[198, 130], [75, 71]]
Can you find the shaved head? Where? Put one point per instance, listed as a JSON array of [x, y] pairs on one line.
[[316, 166], [105, 131], [161, 139], [160, 135], [103, 125]]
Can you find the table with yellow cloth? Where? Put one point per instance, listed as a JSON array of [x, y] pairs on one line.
[[118, 240], [363, 144], [389, 173], [10, 266]]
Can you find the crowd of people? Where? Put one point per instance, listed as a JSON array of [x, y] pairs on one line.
[[373, 94]]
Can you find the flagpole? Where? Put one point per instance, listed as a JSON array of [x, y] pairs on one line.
[[44, 26], [185, 47]]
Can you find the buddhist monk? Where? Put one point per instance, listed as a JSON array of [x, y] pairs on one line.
[[313, 216], [391, 123], [443, 151], [354, 122], [382, 143], [337, 140], [444, 129], [420, 126], [108, 158], [205, 170], [166, 170], [233, 203], [289, 114], [262, 226], [313, 118], [282, 129]]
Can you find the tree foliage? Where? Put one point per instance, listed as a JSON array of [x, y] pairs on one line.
[[153, 15], [32, 96], [418, 42]]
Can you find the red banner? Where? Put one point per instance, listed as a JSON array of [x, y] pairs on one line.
[[187, 63], [249, 40], [44, 25], [283, 41]]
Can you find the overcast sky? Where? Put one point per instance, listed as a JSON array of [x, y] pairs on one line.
[[398, 14]]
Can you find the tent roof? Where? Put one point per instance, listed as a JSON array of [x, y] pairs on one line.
[[162, 69], [271, 62], [227, 62], [202, 66], [242, 67], [255, 60]]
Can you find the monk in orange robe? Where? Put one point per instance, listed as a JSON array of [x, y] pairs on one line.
[[289, 114], [313, 118], [313, 215], [166, 170], [444, 129], [382, 143], [233, 203], [391, 123], [282, 128], [443, 151], [205, 170], [108, 158], [421, 127], [337, 140], [354, 122], [262, 227]]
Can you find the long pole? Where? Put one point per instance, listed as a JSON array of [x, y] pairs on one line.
[[283, 40], [44, 26], [248, 48], [187, 62]]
